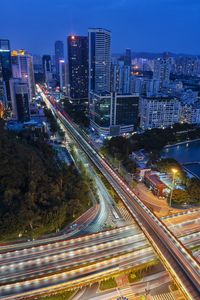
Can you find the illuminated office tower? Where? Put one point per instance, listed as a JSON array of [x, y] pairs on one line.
[[22, 67], [78, 66], [112, 114], [47, 69], [6, 69], [2, 90]]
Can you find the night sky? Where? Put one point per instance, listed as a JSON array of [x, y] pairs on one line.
[[142, 25]]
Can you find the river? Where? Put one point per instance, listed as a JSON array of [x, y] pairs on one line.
[[188, 152]]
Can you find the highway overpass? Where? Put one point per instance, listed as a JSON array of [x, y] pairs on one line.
[[31, 268], [179, 262]]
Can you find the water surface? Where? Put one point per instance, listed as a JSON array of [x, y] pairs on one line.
[[184, 153]]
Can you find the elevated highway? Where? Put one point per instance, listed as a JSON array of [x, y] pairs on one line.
[[182, 266]]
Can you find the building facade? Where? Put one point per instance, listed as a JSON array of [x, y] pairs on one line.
[[47, 69], [6, 70], [62, 74], [162, 69], [20, 99], [121, 77], [112, 114], [59, 55], [22, 67], [159, 112], [190, 113], [99, 59], [2, 86], [78, 67], [128, 57]]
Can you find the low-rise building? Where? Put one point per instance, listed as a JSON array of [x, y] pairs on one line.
[[153, 182]]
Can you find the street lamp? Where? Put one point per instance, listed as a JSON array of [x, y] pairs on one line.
[[174, 171]]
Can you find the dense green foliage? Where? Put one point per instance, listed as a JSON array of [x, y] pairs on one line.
[[60, 296], [180, 197], [119, 148], [54, 127], [36, 193], [193, 187], [107, 284], [52, 121]]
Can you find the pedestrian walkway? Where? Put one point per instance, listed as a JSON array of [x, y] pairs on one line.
[[164, 296], [126, 215]]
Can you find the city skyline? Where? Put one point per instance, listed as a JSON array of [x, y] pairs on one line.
[[99, 149], [144, 26]]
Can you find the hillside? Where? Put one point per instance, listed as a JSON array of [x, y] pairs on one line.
[[37, 195]]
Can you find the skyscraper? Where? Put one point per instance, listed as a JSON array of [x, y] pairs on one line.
[[78, 66], [99, 59], [22, 67], [5, 60], [1, 85], [59, 55], [162, 69], [20, 99], [121, 77], [62, 74], [127, 57], [47, 69]]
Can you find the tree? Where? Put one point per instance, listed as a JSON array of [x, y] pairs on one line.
[[118, 147], [129, 165], [53, 124], [194, 190], [180, 197], [36, 194]]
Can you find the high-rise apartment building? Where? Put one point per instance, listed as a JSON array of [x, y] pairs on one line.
[[121, 77], [162, 69], [159, 112], [188, 66], [20, 99], [22, 67], [5, 61], [78, 66], [59, 55], [99, 59]]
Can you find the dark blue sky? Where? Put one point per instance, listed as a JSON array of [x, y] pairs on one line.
[[142, 25]]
